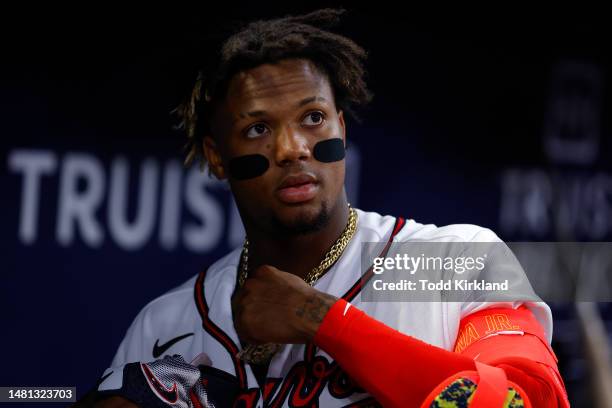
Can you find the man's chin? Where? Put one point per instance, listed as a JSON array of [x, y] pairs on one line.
[[302, 220]]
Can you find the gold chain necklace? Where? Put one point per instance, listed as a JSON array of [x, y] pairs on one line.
[[258, 354]]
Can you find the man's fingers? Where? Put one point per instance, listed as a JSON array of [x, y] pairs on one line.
[[238, 303]]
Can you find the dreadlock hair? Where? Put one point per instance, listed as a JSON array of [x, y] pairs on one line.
[[270, 41]]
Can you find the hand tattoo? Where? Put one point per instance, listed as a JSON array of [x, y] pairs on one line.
[[316, 307]]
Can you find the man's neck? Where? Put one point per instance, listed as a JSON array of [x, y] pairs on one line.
[[301, 253]]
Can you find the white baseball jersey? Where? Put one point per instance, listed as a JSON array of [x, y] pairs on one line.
[[196, 317]]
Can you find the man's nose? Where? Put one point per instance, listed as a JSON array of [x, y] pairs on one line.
[[291, 146]]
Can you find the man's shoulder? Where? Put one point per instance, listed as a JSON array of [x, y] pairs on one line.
[[412, 230], [166, 307], [176, 300], [172, 315], [452, 232]]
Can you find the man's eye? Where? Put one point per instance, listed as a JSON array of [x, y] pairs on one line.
[[256, 130], [314, 118]]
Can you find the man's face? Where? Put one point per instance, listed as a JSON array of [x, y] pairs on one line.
[[280, 111]]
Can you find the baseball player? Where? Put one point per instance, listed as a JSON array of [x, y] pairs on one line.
[[280, 322]]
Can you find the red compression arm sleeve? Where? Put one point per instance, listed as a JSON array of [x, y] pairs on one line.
[[400, 370]]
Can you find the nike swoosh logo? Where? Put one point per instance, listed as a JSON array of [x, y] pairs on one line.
[[159, 350], [168, 395]]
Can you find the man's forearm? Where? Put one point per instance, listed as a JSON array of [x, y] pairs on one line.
[[397, 369]]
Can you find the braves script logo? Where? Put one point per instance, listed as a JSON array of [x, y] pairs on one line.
[[303, 385], [168, 395]]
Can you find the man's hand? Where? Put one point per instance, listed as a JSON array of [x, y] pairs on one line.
[[167, 382], [277, 307]]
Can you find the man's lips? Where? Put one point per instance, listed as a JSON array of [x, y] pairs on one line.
[[298, 188]]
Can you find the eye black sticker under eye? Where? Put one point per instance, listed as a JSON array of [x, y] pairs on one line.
[[248, 167], [330, 150]]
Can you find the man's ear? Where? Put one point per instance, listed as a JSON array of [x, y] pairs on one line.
[[213, 157], [342, 125]]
